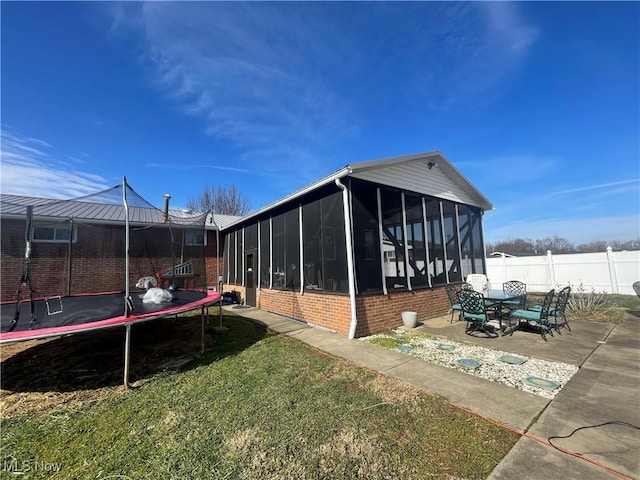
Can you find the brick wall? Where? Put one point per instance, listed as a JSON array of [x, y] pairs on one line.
[[327, 310], [97, 259], [375, 312], [379, 312]]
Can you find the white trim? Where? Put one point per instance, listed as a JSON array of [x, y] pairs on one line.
[[350, 264], [270, 252], [301, 264], [243, 265], [259, 279]]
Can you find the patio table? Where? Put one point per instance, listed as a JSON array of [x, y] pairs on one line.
[[499, 297]]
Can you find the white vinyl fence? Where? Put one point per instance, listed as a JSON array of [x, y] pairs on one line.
[[610, 272]]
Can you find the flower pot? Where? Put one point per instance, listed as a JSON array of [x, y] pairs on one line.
[[410, 319]]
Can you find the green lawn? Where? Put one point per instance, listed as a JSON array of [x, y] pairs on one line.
[[255, 406]]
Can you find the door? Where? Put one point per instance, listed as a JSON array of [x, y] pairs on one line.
[[250, 282]]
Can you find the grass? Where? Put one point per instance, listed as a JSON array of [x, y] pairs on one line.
[[254, 406], [596, 306]]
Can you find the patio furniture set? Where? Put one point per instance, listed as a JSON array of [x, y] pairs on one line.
[[509, 307]]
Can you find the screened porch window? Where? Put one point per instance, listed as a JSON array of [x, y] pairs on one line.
[[478, 242], [393, 240], [265, 252], [364, 201], [434, 241], [417, 261], [451, 241], [466, 241]]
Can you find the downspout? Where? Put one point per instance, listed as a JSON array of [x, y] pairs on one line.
[[350, 265]]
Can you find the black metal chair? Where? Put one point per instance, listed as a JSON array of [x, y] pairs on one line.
[[515, 287], [474, 311], [453, 298], [539, 317], [636, 288], [559, 310]]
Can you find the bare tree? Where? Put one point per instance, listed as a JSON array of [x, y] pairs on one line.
[[512, 246], [223, 200], [556, 244]]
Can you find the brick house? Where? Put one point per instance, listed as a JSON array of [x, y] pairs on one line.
[[78, 246], [353, 250]]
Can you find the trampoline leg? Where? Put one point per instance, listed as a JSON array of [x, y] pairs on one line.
[[202, 341], [127, 345]]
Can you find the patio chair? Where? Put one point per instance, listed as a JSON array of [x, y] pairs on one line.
[[559, 310], [636, 288], [479, 281], [540, 318], [475, 313], [453, 298], [515, 287]]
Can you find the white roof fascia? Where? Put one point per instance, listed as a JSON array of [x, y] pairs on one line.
[[343, 172]]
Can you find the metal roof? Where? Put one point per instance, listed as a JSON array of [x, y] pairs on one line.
[[14, 206], [410, 172]]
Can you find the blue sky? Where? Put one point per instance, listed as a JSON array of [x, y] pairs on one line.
[[536, 103]]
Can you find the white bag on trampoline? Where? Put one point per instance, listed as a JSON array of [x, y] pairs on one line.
[[157, 295]]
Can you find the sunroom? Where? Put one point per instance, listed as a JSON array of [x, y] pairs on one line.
[[353, 250]]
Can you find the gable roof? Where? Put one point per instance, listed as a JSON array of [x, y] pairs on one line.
[[408, 172]]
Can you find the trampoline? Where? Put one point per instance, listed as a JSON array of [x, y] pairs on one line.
[[107, 240], [81, 313]]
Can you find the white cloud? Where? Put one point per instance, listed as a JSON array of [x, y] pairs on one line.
[[308, 75], [196, 167], [29, 167], [599, 186]]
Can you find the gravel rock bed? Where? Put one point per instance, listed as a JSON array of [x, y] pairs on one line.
[[548, 378]]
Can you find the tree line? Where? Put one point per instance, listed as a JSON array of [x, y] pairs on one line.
[[526, 246]]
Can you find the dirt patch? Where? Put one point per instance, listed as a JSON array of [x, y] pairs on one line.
[[42, 375]]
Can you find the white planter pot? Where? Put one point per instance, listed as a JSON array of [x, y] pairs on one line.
[[410, 319]]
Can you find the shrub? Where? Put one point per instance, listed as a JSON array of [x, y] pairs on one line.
[[582, 302]]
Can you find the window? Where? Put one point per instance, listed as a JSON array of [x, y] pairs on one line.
[[238, 253], [434, 240], [195, 238], [292, 248], [451, 241], [393, 240], [59, 233], [312, 234], [478, 244], [417, 264], [466, 241], [230, 257], [251, 237], [334, 253], [279, 266], [265, 253], [325, 257], [364, 201]]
